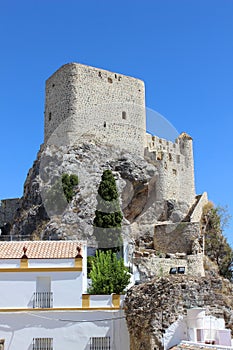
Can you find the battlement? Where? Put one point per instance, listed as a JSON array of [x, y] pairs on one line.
[[174, 161]]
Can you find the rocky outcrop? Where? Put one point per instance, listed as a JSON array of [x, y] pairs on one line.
[[40, 217], [153, 306]]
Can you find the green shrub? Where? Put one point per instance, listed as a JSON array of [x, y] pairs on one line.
[[108, 274], [69, 182]]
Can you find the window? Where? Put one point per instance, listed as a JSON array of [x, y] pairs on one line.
[[105, 124], [43, 297], [42, 344], [2, 341], [123, 115], [50, 116], [200, 335], [100, 343]]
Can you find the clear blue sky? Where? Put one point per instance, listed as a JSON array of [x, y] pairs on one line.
[[182, 49]]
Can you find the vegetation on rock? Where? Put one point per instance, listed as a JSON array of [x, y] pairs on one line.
[[69, 182], [60, 193], [216, 246], [108, 274], [108, 216]]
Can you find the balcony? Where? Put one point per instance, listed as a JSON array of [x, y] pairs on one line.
[[43, 300]]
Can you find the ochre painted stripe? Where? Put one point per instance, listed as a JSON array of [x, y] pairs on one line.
[[40, 269], [62, 309]]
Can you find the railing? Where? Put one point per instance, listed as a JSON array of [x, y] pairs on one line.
[[42, 344], [15, 237], [43, 300], [100, 343]]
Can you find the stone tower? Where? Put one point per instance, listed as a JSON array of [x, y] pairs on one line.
[[86, 103], [175, 165]]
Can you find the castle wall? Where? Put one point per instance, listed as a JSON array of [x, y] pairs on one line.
[[197, 213], [173, 238], [174, 162], [83, 102], [8, 208], [156, 266]]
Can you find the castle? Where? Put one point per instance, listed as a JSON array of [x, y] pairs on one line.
[[86, 103]]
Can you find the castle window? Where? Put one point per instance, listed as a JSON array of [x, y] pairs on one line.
[[53, 85], [100, 75], [105, 124], [170, 156], [115, 76], [50, 116], [160, 156], [110, 80], [174, 171], [123, 115]]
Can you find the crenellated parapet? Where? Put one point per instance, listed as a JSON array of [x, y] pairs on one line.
[[174, 161]]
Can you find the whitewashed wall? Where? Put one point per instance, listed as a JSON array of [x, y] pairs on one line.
[[19, 329], [66, 287]]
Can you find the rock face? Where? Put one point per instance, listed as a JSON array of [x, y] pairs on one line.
[[39, 216], [153, 306]]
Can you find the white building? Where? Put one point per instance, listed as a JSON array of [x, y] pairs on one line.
[[198, 329], [44, 305]]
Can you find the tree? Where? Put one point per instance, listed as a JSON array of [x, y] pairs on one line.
[[61, 192], [214, 219], [69, 182], [108, 216], [108, 274]]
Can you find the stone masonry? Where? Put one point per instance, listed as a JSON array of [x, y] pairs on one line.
[[84, 102]]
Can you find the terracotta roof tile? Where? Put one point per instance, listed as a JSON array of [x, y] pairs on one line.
[[40, 249]]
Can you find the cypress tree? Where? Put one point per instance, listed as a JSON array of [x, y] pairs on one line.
[[108, 216]]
